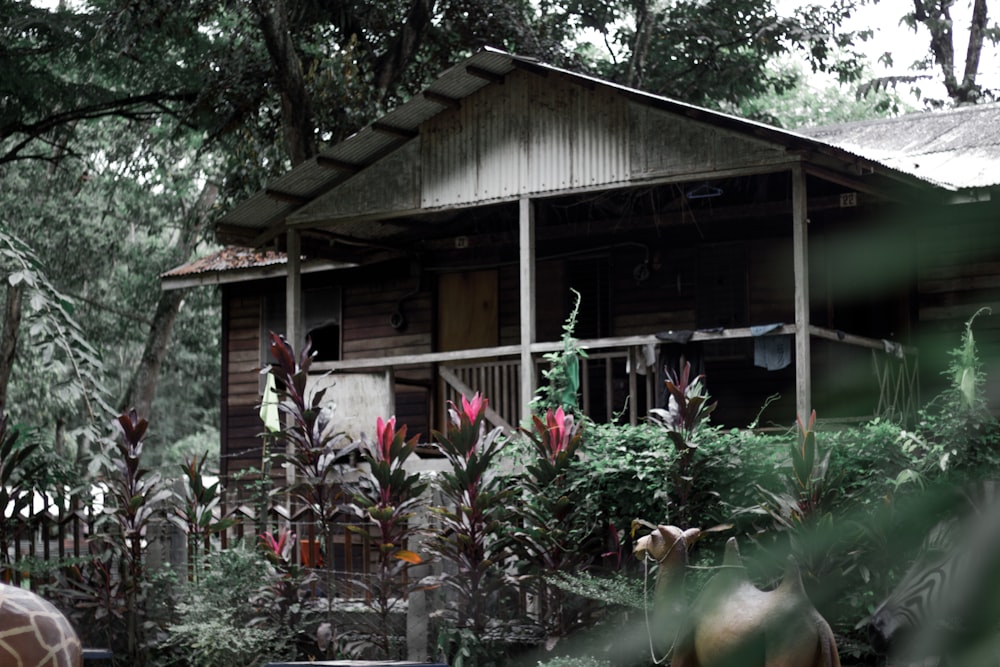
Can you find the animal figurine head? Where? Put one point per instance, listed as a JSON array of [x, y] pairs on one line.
[[732, 622], [666, 542], [35, 633]]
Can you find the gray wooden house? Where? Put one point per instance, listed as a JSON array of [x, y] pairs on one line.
[[434, 253]]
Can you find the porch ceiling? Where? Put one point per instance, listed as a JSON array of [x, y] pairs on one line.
[[749, 206], [265, 216]]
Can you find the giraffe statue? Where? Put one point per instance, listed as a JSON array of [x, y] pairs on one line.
[[33, 633]]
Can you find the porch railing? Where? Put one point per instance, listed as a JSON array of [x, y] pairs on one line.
[[621, 361]]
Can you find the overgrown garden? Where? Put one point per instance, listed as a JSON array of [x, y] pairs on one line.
[[521, 546]]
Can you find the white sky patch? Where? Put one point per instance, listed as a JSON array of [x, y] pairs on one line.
[[908, 46]]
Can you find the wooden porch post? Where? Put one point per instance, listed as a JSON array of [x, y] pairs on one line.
[[800, 252], [293, 291], [526, 244], [293, 310]]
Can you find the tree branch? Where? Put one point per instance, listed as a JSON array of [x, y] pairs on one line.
[[644, 21], [130, 108], [391, 64], [296, 107]]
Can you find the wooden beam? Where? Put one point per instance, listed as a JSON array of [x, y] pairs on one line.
[[293, 290], [850, 182], [526, 245], [393, 131], [484, 74], [397, 361], [339, 165], [856, 341], [443, 100], [288, 197], [633, 387], [800, 259], [333, 237], [267, 235]]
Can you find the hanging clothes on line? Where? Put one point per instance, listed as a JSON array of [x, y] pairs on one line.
[[772, 352]]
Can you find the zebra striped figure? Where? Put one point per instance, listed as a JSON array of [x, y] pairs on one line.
[[947, 605]]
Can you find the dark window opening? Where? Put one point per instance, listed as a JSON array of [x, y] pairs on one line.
[[321, 320], [326, 342]]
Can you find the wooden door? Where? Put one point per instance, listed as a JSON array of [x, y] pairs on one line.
[[467, 318], [467, 313]]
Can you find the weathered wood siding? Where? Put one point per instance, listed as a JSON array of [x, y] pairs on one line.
[[241, 425], [367, 309], [664, 301], [367, 332]]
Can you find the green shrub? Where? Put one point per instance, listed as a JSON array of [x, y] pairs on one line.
[[220, 616], [624, 473]]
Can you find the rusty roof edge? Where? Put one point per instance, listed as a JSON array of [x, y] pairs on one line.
[[237, 265]]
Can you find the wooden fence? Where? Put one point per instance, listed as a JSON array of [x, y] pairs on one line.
[[52, 529], [57, 531]]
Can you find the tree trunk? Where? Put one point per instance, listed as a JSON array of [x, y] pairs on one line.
[[142, 387], [296, 107], [646, 18], [937, 18], [977, 31], [9, 336], [403, 48]]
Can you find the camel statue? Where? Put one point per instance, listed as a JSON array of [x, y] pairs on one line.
[[732, 622], [33, 633]]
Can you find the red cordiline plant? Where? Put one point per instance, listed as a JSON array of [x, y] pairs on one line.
[[316, 451], [474, 510], [278, 548], [282, 599], [552, 538], [388, 496], [687, 410], [808, 492], [198, 512], [137, 496]]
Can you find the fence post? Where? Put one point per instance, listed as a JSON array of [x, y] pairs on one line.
[[417, 611], [167, 548]]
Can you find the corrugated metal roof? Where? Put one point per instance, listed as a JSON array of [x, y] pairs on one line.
[[855, 143], [333, 164], [957, 149]]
